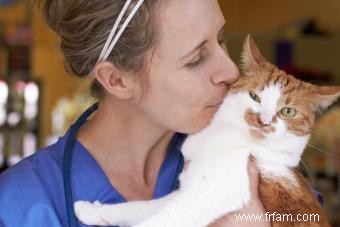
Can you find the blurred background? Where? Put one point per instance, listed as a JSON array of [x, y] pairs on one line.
[[39, 100]]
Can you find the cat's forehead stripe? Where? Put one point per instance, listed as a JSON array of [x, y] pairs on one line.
[[293, 85], [276, 79], [270, 96]]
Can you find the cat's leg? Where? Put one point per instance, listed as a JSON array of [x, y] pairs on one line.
[[122, 214], [196, 210], [207, 199]]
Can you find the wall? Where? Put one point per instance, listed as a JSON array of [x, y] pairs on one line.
[[13, 14], [263, 15], [268, 20]]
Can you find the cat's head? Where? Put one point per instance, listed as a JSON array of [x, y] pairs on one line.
[[273, 108], [272, 104]]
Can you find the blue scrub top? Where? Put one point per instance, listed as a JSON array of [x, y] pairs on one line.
[[32, 193]]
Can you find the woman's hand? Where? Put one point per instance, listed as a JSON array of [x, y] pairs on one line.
[[254, 210]]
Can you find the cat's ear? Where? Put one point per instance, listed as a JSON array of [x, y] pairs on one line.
[[324, 96], [251, 57]]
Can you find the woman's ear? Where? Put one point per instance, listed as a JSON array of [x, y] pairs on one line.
[[115, 82]]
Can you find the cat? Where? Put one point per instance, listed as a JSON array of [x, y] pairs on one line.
[[266, 114]]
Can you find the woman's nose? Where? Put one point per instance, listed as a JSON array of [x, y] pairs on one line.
[[227, 70]]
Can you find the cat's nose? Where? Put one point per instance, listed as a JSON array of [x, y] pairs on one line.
[[263, 120], [266, 118], [261, 124]]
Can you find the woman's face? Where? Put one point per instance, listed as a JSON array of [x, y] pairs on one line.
[[190, 68]]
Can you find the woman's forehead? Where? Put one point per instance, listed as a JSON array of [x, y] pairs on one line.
[[185, 24]]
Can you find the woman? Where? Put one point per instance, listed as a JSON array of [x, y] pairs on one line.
[[166, 75]]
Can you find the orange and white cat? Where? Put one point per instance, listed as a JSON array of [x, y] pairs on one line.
[[267, 114]]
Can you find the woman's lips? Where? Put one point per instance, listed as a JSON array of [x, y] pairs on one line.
[[216, 103]]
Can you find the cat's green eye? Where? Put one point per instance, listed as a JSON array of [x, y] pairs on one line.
[[288, 112], [254, 96]]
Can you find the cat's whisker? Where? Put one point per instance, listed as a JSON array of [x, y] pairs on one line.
[[318, 149], [318, 133], [309, 173], [323, 151]]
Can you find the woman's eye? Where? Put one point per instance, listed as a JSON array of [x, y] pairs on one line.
[[195, 62], [288, 112], [255, 97]]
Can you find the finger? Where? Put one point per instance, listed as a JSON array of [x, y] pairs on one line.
[[254, 175], [186, 164], [253, 170]]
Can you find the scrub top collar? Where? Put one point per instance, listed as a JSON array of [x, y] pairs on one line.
[[86, 173]]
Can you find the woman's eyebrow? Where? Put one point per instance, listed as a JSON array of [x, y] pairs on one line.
[[202, 43], [195, 49]]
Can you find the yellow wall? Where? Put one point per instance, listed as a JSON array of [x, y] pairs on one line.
[[263, 15], [13, 14]]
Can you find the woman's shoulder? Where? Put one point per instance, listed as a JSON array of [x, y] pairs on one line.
[[32, 186], [39, 169], [42, 162]]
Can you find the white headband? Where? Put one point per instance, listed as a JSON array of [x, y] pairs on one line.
[[112, 40]]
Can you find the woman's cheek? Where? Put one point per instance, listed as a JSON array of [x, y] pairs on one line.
[[199, 121]]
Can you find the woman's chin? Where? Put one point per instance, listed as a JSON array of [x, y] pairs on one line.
[[200, 123]]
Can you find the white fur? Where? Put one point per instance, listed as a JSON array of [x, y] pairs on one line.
[[269, 98], [216, 181]]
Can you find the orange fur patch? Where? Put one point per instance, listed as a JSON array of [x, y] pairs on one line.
[[278, 195]]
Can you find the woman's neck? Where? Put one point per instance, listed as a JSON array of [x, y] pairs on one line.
[[124, 142]]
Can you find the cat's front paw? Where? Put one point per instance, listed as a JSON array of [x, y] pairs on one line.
[[90, 213]]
